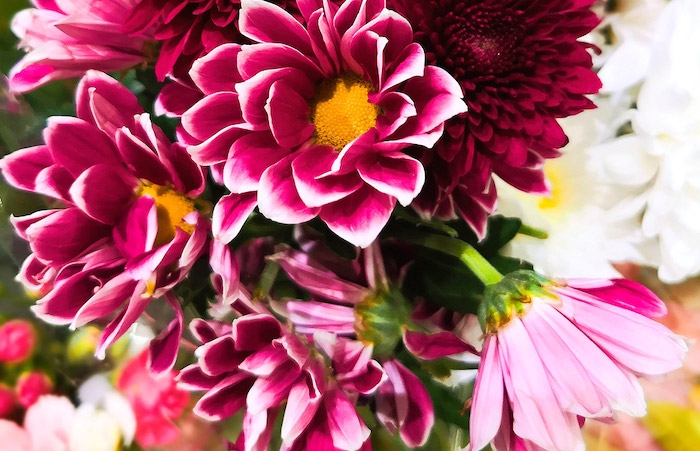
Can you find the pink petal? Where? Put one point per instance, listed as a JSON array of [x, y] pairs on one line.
[[265, 22], [136, 232], [217, 71], [623, 293], [68, 138], [257, 58], [104, 102], [488, 401], [278, 199], [395, 174], [64, 235], [311, 316], [230, 213], [227, 398], [434, 346], [359, 217], [316, 279], [106, 204], [301, 408], [164, 348], [212, 114], [314, 189], [347, 429], [270, 391], [289, 115], [250, 156]]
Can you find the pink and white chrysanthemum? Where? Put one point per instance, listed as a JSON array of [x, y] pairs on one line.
[[67, 38], [126, 228], [556, 353], [312, 120], [258, 364]]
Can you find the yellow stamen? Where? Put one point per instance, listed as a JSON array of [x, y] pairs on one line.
[[557, 194], [340, 110], [171, 206]]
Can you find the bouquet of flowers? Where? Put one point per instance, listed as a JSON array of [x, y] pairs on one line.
[[345, 224]]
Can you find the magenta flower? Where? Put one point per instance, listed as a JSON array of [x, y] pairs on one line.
[[66, 38], [257, 363], [17, 341], [313, 120], [187, 29], [130, 228], [521, 66], [554, 353]]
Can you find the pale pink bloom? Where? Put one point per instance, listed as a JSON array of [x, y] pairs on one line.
[[131, 228], [575, 351], [67, 38], [17, 341], [155, 400], [312, 120], [47, 426]]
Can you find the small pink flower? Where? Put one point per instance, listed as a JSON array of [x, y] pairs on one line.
[[17, 341], [32, 385], [66, 38], [555, 353], [312, 120], [156, 401], [131, 228], [8, 400]]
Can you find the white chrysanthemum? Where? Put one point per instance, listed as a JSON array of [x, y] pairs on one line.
[[660, 161], [625, 36], [584, 235]]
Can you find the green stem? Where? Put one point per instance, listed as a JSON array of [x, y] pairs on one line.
[[453, 246], [267, 278], [533, 232]]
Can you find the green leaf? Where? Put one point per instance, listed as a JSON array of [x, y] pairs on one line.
[[443, 280]]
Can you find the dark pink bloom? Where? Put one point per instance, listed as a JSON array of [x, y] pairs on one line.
[[521, 66], [66, 38], [187, 29], [32, 385], [17, 341], [130, 229], [555, 353], [312, 120], [156, 401]]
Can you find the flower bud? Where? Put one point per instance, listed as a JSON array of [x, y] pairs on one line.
[[379, 320], [17, 341], [31, 385]]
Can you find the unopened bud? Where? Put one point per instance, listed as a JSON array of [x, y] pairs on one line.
[[32, 385], [17, 341]]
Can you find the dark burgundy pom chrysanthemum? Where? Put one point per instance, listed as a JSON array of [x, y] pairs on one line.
[[520, 66], [187, 29]]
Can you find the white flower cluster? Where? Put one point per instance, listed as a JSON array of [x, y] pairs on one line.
[[628, 186]]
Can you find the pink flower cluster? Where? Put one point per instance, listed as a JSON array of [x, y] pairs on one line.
[[328, 112]]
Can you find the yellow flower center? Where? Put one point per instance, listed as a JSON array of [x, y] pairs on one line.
[[171, 206], [557, 195], [341, 111]]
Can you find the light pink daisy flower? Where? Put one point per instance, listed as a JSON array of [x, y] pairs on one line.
[[557, 353], [66, 38], [127, 226], [312, 120]]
